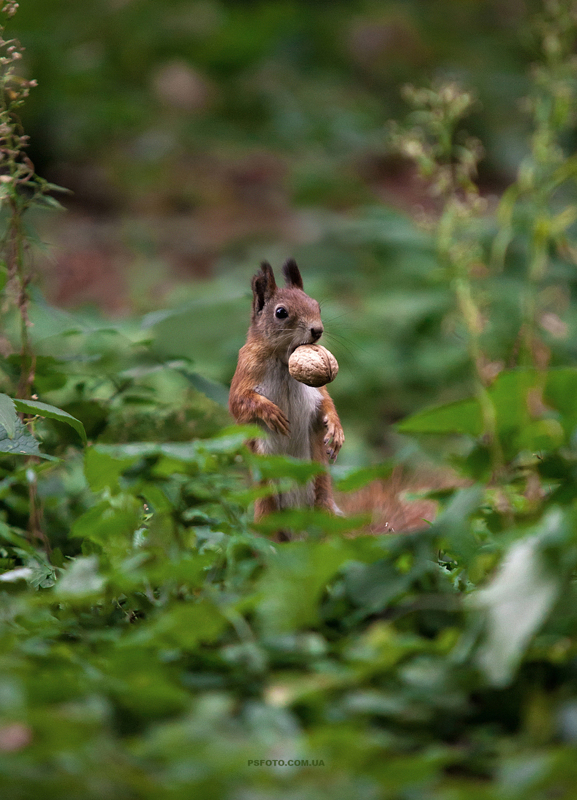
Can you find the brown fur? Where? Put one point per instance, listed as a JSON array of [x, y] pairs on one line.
[[399, 504], [307, 426]]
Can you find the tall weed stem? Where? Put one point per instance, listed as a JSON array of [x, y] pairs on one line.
[[533, 205], [448, 160], [20, 189]]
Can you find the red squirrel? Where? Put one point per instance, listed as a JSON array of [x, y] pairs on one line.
[[300, 421]]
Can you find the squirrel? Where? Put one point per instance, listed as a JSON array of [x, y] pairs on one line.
[[301, 421]]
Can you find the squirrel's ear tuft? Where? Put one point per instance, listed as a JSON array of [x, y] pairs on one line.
[[263, 286], [292, 274]]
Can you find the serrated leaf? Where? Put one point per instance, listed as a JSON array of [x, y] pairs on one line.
[[51, 412], [8, 417], [22, 443]]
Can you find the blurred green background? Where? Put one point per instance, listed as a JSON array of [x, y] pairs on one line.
[[158, 645], [199, 138]]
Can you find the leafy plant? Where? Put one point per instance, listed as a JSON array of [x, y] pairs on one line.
[[155, 643]]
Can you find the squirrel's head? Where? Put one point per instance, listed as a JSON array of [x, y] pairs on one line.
[[284, 317]]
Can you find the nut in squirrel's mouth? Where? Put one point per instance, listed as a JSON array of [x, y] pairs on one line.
[[294, 347], [302, 344]]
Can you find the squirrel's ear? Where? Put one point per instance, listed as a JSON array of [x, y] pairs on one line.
[[263, 287], [292, 274]]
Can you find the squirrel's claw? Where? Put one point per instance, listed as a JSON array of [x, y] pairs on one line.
[[334, 438], [278, 422]]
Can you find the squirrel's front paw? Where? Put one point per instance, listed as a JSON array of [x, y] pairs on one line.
[[276, 420], [334, 437]]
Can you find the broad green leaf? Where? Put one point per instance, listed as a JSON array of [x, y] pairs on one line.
[[454, 525], [510, 395], [51, 202], [563, 220], [143, 685], [22, 443], [46, 410], [102, 470], [276, 467], [180, 451], [230, 440], [293, 582], [109, 526], [517, 601], [374, 586], [184, 625], [311, 520], [462, 416], [560, 394], [8, 418]]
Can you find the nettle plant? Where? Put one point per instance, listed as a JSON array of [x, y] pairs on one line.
[[20, 190], [510, 267]]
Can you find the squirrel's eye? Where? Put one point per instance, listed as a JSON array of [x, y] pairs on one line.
[[281, 313]]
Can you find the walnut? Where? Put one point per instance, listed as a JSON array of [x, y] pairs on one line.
[[313, 364]]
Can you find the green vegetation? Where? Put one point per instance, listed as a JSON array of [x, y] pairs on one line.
[[153, 641]]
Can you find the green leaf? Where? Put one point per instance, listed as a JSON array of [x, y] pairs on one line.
[[22, 443], [183, 626], [54, 187], [229, 440], [46, 410], [294, 581], [462, 416], [214, 391], [454, 526], [102, 470], [109, 526], [517, 601], [311, 520], [8, 418], [510, 395], [349, 480], [275, 467], [51, 202], [560, 394]]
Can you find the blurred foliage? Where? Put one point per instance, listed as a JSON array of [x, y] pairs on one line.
[[259, 126], [153, 641], [272, 113], [171, 81]]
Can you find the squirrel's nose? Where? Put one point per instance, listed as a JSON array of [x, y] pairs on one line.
[[316, 333]]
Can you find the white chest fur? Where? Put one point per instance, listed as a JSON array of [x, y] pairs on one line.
[[299, 403]]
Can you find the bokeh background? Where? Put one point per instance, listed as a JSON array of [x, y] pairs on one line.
[[199, 137]]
